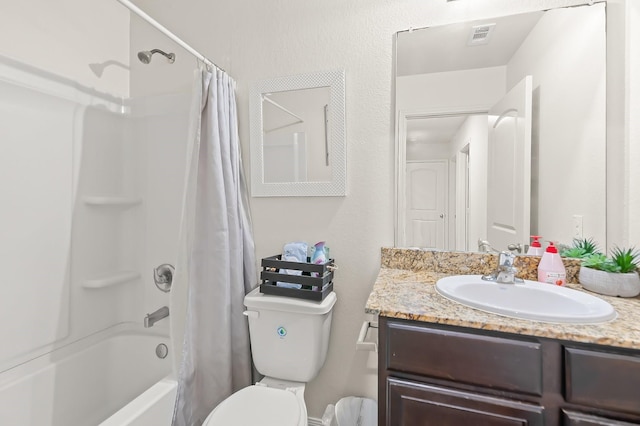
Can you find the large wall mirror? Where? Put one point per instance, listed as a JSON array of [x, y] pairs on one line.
[[501, 131], [298, 144]]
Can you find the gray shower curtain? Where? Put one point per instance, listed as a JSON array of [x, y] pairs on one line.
[[216, 260]]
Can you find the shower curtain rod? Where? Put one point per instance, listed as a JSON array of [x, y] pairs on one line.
[[135, 9]]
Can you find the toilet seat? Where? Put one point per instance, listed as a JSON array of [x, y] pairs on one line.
[[259, 405]]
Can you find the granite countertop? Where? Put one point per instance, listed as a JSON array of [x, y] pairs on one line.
[[409, 293]]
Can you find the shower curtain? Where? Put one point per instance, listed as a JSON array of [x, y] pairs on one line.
[[216, 260]]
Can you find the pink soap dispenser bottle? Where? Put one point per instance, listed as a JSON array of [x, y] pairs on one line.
[[551, 269], [535, 248]]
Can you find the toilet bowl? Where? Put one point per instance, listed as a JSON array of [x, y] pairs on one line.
[[289, 343]]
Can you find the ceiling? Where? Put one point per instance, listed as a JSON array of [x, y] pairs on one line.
[[433, 129], [445, 48]]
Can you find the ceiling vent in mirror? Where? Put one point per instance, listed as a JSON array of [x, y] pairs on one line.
[[480, 34]]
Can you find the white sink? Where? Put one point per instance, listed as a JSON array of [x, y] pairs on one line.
[[530, 300]]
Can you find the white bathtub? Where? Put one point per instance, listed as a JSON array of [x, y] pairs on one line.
[[154, 407], [85, 382]]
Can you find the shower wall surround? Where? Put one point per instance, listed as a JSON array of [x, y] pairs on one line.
[[92, 177], [70, 233]]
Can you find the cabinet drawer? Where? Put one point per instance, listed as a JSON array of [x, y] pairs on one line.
[[416, 404], [604, 380], [507, 364], [572, 418]]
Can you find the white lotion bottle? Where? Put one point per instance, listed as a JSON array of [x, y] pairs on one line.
[[551, 269], [535, 248]]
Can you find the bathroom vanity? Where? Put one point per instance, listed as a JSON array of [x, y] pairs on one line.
[[441, 363]]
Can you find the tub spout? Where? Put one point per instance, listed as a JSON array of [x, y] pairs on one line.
[[156, 316]]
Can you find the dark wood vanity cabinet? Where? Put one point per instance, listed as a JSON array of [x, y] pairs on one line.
[[440, 375]]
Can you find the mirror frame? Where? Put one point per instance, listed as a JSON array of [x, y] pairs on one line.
[[335, 80]]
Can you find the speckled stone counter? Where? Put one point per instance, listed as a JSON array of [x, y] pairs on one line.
[[405, 288]]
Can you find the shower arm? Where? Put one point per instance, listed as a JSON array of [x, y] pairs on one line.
[[170, 56]]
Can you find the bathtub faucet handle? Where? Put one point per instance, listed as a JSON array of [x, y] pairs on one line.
[[163, 276]]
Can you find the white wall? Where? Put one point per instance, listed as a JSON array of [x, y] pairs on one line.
[[480, 87], [566, 55], [474, 131], [256, 40], [420, 151]]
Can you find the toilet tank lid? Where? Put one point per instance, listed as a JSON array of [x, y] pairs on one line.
[[256, 300]]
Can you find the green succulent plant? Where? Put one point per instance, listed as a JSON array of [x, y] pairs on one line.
[[625, 259], [581, 248], [621, 260]]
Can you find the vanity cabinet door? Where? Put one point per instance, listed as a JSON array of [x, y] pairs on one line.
[[418, 404], [602, 379], [572, 418]]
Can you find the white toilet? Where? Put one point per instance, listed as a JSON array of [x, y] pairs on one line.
[[289, 342]]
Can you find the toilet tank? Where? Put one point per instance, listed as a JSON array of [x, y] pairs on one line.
[[289, 336]]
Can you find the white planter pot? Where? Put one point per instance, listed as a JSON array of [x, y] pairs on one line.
[[609, 283]]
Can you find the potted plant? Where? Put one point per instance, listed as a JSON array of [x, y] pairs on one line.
[[580, 248], [616, 275]]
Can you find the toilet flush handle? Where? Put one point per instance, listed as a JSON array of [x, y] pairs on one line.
[[251, 314]]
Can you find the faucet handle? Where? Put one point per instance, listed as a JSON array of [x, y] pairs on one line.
[[515, 247], [163, 277]]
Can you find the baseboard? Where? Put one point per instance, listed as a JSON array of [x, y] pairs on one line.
[[314, 422]]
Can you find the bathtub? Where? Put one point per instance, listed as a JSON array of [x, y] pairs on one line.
[[86, 382], [154, 407]]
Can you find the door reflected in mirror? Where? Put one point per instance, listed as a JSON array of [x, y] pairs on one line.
[[455, 184]]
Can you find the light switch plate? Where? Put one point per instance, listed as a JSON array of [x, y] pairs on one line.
[[577, 226]]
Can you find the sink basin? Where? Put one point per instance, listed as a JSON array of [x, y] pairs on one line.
[[530, 300]]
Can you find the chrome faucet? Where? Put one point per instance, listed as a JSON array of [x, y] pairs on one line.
[[506, 272], [156, 316]]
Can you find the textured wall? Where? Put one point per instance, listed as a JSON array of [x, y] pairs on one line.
[[569, 121], [255, 40]]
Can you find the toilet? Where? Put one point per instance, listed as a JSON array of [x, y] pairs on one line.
[[289, 342]]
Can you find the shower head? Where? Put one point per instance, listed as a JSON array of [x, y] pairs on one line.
[[145, 56]]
